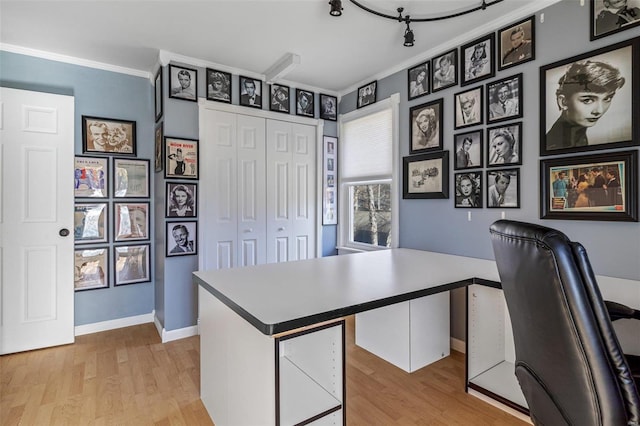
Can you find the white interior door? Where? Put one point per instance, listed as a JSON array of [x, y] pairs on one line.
[[36, 254]]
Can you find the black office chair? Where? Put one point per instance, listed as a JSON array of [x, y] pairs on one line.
[[568, 359]]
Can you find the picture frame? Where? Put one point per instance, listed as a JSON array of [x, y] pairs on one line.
[[426, 176], [90, 223], [564, 127], [181, 199], [131, 264], [504, 99], [250, 92], [158, 163], [469, 148], [329, 180], [418, 80], [181, 238], [468, 190], [478, 58], [130, 178], [602, 187], [91, 177], [130, 221], [91, 270], [219, 85], [279, 98], [517, 43], [159, 101], [425, 124], [181, 158], [328, 107], [444, 70], [503, 188], [183, 83], [604, 22], [504, 145], [468, 108], [108, 136], [367, 94], [305, 105]]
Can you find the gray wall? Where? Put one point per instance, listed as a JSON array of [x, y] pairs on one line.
[[436, 225], [102, 94]]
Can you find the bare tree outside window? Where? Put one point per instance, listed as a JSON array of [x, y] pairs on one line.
[[372, 214]]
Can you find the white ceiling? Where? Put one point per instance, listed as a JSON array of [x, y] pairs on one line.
[[337, 54]]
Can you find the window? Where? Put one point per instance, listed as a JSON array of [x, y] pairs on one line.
[[368, 177]]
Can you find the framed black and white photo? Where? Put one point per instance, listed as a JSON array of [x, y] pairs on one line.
[[612, 16], [108, 136], [219, 85], [328, 107], [181, 199], [444, 70], [91, 270], [181, 158], [478, 58], [587, 102], [590, 187], [504, 145], [468, 190], [426, 175], [132, 264], [182, 238], [425, 122], [130, 178], [158, 163], [90, 223], [183, 83], [304, 103], [250, 92], [367, 94], [418, 80], [279, 98], [131, 221], [517, 43], [468, 108], [329, 181], [158, 94], [504, 99], [503, 189], [468, 147], [90, 177]]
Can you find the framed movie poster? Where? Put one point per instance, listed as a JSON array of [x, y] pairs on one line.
[[91, 269], [444, 70], [425, 124], [426, 176], [612, 16], [590, 187], [517, 43], [90, 223], [219, 86], [250, 92], [158, 159], [329, 181], [90, 177], [108, 136], [468, 108], [130, 178], [468, 150], [468, 190], [279, 98], [182, 238], [183, 83], [504, 99], [478, 59], [367, 94], [158, 94], [587, 102], [132, 264], [131, 221], [181, 158], [182, 200], [503, 189], [418, 80]]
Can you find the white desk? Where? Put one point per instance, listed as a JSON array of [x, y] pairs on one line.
[[241, 309]]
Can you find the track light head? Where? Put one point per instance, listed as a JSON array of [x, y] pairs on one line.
[[408, 35], [336, 7]]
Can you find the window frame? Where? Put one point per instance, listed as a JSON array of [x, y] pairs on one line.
[[344, 185]]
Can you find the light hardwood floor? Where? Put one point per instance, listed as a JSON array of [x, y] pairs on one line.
[[127, 377]]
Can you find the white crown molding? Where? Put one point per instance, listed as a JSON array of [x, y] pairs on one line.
[[73, 60], [480, 31], [166, 57]]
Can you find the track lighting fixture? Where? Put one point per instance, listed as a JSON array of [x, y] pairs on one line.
[[336, 10]]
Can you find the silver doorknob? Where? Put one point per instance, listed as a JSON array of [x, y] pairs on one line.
[[281, 229], [63, 232]]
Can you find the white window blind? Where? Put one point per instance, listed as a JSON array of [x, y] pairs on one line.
[[367, 146]]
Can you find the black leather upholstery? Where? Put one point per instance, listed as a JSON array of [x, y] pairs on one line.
[[568, 359]]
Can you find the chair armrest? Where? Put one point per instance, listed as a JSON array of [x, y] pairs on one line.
[[619, 311]]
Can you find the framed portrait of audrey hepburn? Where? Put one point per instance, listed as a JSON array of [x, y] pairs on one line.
[[425, 123], [612, 16], [587, 101], [478, 59]]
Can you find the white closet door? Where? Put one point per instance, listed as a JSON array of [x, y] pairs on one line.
[[252, 244], [303, 223]]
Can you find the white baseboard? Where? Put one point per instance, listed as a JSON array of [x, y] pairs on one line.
[[501, 406], [181, 333], [458, 345], [113, 324]]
